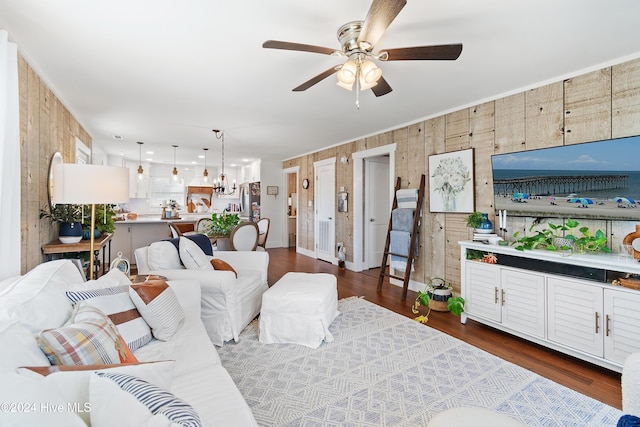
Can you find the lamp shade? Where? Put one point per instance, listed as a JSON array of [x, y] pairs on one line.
[[90, 184]]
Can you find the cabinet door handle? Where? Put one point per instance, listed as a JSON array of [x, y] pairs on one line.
[[503, 297], [607, 321], [597, 322], [495, 295]]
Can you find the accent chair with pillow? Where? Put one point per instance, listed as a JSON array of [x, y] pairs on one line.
[[232, 285]]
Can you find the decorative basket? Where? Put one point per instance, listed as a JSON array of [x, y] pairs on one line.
[[439, 294], [630, 282]]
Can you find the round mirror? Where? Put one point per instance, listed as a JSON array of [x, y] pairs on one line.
[[56, 159]]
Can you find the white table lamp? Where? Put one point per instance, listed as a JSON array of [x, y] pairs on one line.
[[90, 185]]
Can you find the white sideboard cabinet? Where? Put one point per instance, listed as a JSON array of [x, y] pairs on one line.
[[565, 303]]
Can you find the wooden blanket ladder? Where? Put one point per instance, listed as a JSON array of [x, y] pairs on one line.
[[385, 269]]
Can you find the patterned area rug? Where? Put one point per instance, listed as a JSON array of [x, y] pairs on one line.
[[384, 369]]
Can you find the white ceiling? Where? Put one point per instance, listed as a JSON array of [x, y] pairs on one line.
[[167, 72]]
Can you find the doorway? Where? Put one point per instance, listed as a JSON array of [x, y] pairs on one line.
[[290, 207], [325, 207], [360, 260], [377, 208]]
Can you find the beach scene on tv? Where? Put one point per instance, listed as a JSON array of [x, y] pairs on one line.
[[589, 180]]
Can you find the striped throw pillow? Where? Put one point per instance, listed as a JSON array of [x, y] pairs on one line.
[[89, 338], [116, 303], [109, 392], [159, 307]]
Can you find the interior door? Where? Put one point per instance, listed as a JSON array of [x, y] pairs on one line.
[[377, 209], [325, 200]]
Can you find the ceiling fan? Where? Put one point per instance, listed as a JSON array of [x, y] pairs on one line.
[[358, 40]]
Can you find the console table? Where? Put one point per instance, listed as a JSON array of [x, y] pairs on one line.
[[562, 302], [56, 247]]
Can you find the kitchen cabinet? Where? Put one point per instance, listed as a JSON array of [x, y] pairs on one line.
[[564, 303], [129, 236]]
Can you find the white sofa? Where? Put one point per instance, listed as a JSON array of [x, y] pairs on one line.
[[37, 301], [229, 304]]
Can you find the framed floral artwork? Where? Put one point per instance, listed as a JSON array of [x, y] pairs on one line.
[[451, 187]]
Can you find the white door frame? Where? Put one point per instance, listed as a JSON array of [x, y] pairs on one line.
[[330, 161], [358, 195], [285, 207], [367, 262]]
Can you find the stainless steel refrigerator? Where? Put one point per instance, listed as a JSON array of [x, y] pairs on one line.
[[250, 201]]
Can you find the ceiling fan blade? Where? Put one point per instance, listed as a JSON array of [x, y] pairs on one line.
[[275, 44], [306, 85], [382, 88], [380, 15], [436, 52]]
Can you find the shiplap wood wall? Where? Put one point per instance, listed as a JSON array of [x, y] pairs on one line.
[[46, 126], [599, 105]]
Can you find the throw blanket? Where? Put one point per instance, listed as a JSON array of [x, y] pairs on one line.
[[402, 219], [407, 198], [399, 242]]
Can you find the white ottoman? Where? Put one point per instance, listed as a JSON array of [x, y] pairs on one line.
[[298, 309], [472, 416]]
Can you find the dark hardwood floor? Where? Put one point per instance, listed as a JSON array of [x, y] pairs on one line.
[[586, 378]]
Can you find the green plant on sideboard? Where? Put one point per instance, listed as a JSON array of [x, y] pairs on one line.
[[551, 238], [474, 220], [590, 243]]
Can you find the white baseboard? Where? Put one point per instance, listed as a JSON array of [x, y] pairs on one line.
[[413, 284]]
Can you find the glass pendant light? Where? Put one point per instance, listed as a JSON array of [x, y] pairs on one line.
[[174, 173], [140, 170], [205, 174]]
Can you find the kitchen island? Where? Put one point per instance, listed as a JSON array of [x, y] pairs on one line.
[[131, 234]]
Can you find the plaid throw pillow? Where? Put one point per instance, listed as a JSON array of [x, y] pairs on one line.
[[88, 338]]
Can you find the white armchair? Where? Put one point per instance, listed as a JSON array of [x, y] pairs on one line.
[[228, 303]]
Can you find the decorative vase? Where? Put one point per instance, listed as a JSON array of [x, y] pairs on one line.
[[223, 244], [632, 239], [86, 235], [486, 226], [70, 232]]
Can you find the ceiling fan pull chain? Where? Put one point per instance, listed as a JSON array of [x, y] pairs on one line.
[[358, 88]]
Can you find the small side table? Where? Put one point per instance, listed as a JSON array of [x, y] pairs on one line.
[[56, 247]]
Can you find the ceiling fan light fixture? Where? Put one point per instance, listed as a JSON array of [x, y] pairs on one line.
[[347, 74], [369, 72]]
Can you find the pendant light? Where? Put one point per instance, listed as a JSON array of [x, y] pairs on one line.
[[174, 173], [205, 174], [140, 170]]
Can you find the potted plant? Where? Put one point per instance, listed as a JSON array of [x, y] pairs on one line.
[[590, 243], [69, 218], [437, 295], [222, 224], [104, 222], [474, 220], [549, 237]]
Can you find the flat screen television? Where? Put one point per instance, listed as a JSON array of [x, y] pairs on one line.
[[590, 180]]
